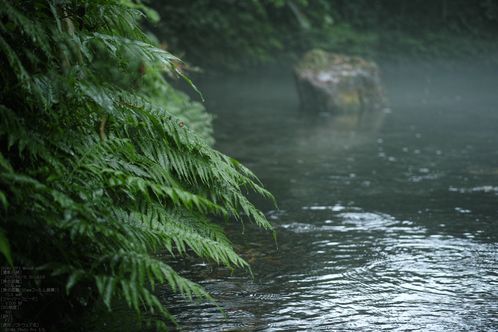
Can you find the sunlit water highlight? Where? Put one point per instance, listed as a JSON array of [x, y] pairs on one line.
[[388, 220]]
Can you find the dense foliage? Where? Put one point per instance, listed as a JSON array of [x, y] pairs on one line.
[[246, 32], [101, 161], [445, 30], [242, 33]]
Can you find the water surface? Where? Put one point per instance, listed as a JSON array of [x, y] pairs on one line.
[[387, 220]]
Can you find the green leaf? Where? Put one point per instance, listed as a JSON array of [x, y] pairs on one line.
[[4, 201], [5, 246], [73, 279]]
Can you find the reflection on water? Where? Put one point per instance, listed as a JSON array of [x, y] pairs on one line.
[[372, 271], [387, 219]]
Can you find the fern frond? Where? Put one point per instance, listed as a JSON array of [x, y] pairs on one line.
[[170, 227], [100, 163]]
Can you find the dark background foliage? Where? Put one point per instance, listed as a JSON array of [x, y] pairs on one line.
[[229, 33]]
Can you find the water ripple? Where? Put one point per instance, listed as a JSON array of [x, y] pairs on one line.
[[390, 280], [343, 269]]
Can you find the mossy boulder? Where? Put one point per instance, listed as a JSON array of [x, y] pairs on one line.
[[329, 82]]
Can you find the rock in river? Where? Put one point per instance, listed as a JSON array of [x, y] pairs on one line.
[[329, 82]]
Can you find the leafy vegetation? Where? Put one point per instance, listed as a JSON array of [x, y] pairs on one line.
[[233, 34], [242, 33], [442, 30], [102, 162]]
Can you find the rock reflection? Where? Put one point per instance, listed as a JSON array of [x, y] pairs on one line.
[[340, 130]]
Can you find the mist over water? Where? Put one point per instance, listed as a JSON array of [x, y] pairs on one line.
[[387, 220]]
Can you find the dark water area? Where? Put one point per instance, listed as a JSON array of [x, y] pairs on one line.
[[387, 220]]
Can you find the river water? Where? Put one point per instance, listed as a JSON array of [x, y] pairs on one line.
[[387, 220]]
